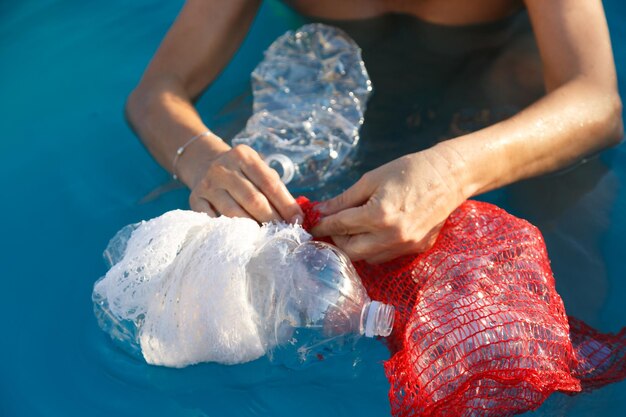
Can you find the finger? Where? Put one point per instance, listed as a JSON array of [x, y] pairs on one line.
[[347, 222], [354, 196], [248, 196], [268, 182], [226, 205], [389, 253], [358, 247], [201, 205], [383, 257], [368, 247]]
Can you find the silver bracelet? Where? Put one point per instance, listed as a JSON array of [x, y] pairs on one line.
[[180, 151]]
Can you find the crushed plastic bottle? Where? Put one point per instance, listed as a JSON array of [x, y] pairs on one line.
[[309, 301], [185, 288], [310, 93]]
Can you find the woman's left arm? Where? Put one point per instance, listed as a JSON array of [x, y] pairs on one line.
[[399, 207]]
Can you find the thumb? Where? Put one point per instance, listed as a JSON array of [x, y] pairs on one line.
[[354, 196]]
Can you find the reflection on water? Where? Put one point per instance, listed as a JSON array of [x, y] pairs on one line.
[[73, 175]]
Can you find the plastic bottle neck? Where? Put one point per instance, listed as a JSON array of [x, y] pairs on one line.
[[377, 319], [283, 165]]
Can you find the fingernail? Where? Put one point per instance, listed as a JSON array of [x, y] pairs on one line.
[[321, 207], [297, 219]]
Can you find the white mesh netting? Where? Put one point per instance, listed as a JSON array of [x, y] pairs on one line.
[[180, 281]]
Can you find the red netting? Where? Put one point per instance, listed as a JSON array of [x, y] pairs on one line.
[[480, 329]]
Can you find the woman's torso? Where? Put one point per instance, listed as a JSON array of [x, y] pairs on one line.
[[435, 74], [446, 12]]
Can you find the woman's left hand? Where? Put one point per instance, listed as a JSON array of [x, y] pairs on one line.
[[396, 209]]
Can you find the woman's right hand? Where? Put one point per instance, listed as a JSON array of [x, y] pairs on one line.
[[238, 183]]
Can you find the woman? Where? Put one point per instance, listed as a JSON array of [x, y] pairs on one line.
[[398, 207]]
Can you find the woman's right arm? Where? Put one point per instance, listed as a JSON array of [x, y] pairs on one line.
[[230, 181]]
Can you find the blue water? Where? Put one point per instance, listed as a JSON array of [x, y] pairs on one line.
[[72, 174]]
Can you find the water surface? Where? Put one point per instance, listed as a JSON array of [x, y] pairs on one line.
[[73, 174]]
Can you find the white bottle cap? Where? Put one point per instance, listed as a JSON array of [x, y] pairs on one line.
[[379, 320], [283, 165]]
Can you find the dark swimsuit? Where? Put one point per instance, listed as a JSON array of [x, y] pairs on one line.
[[433, 82]]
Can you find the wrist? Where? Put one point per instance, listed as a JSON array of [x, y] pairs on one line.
[[197, 157], [460, 168]]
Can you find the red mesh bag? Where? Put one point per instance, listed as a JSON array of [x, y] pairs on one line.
[[480, 329]]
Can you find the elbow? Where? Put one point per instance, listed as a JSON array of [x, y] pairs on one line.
[[133, 107], [606, 122], [602, 114], [615, 122], [150, 98]]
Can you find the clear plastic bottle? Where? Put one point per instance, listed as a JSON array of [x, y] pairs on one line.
[[295, 300], [310, 93], [310, 302], [123, 332]]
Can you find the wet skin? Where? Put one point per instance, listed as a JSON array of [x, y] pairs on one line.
[[399, 207]]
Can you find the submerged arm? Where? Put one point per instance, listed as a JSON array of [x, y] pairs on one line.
[[400, 207], [198, 46], [580, 115]]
